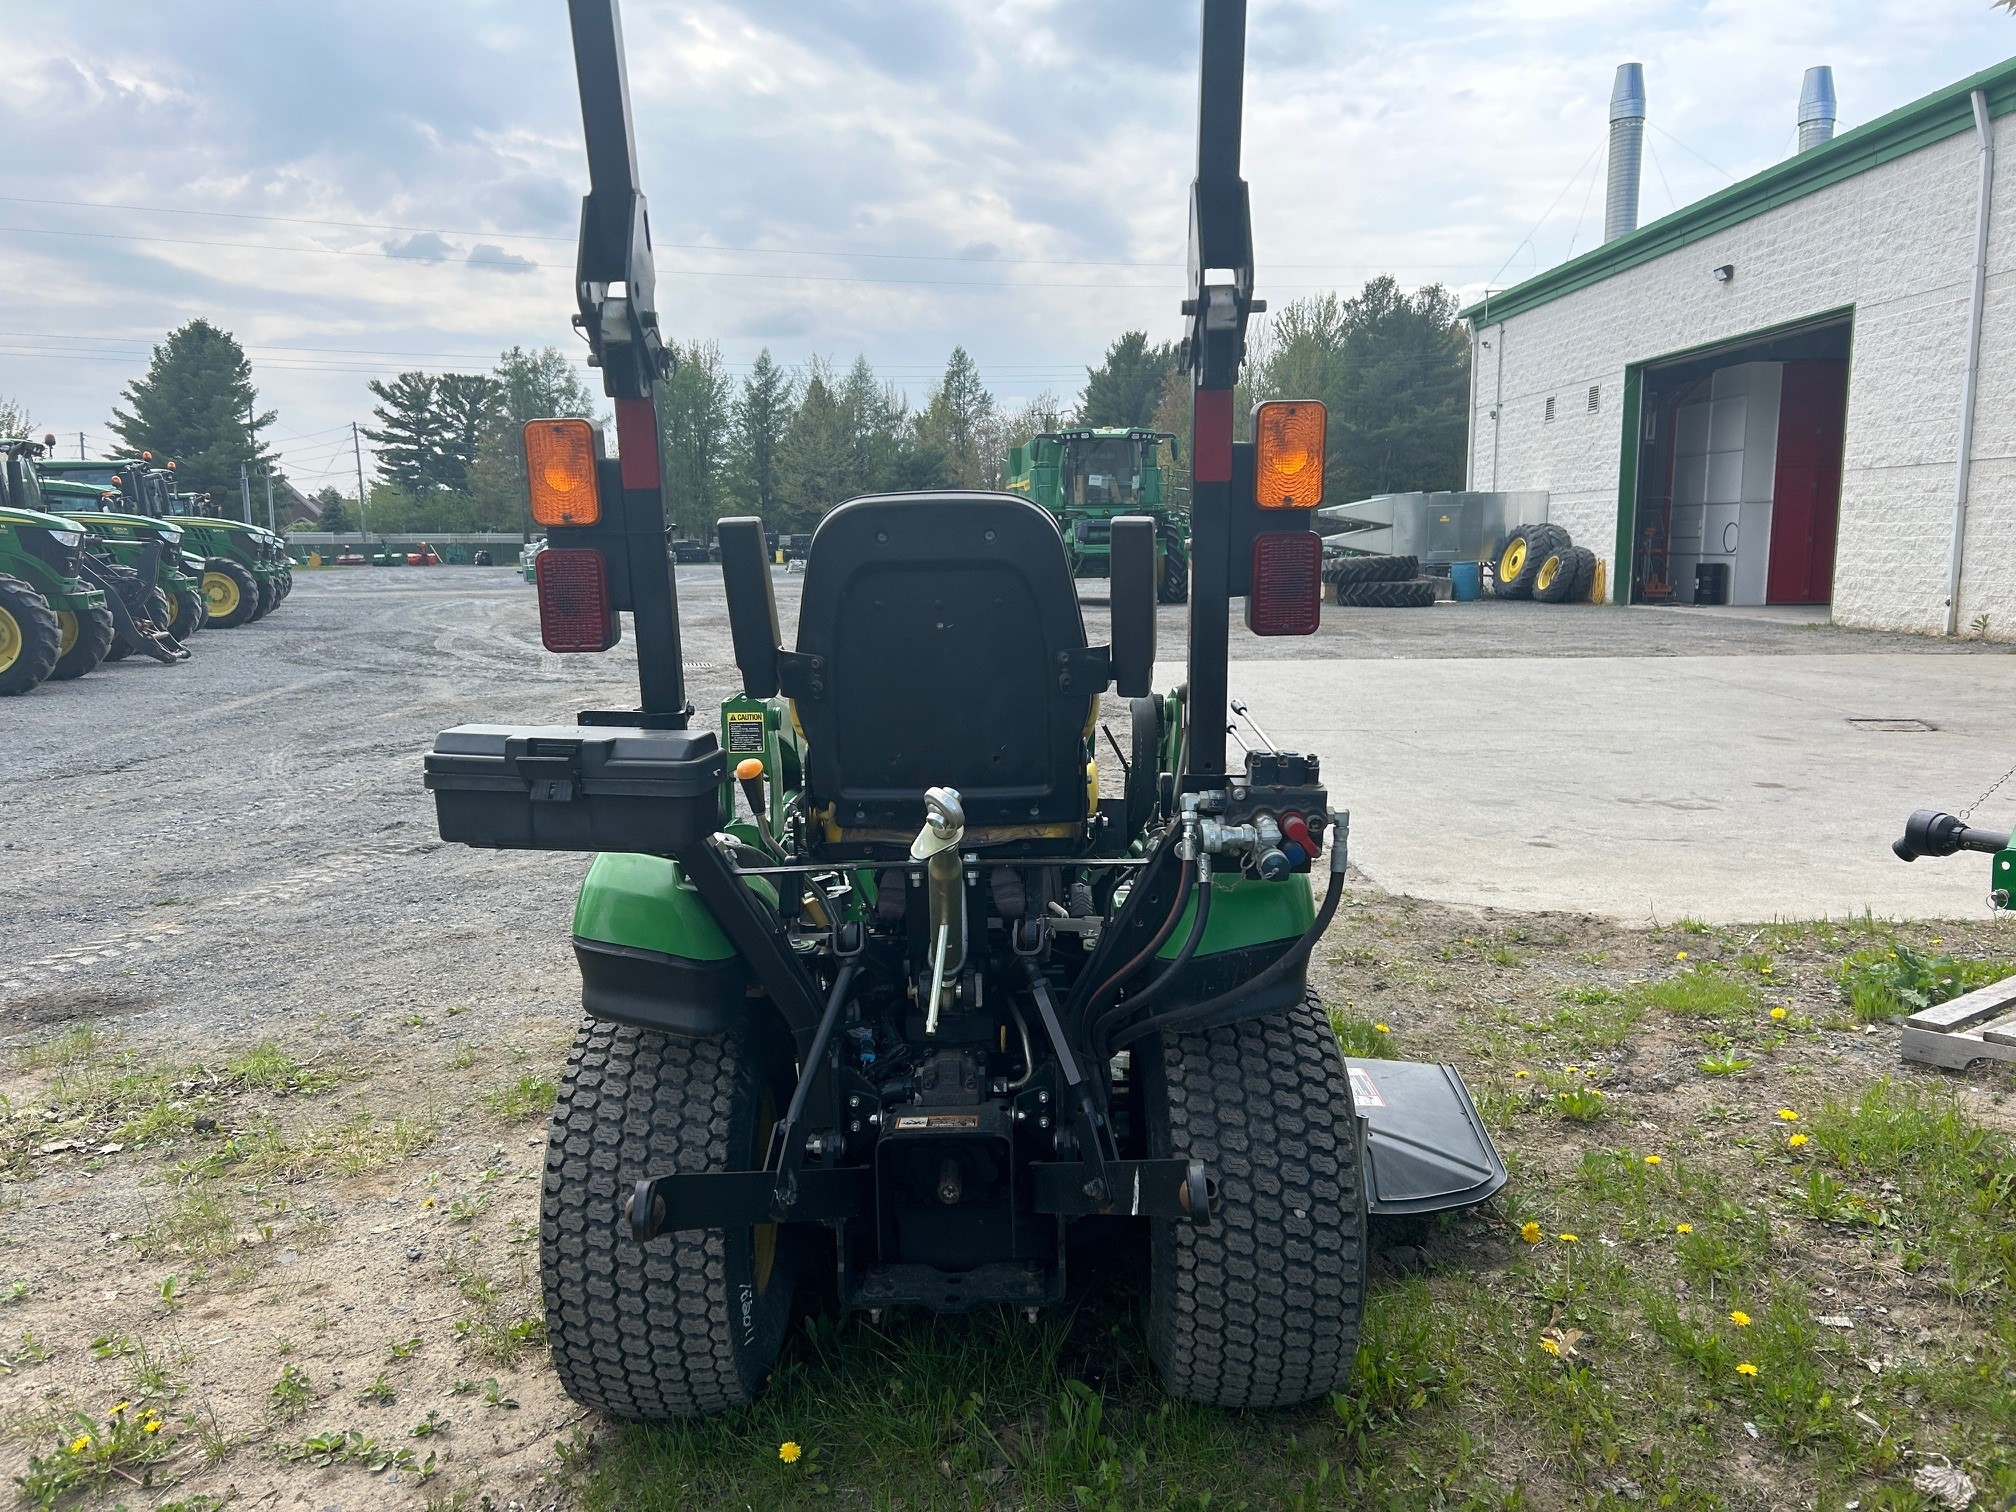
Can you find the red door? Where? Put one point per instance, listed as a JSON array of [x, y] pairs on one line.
[[1806, 498]]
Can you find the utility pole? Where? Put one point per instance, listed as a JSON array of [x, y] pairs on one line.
[[80, 447], [245, 492], [357, 449], [269, 500]]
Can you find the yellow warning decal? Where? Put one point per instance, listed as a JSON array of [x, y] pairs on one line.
[[745, 732]]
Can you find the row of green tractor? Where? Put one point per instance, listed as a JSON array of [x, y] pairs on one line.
[[102, 560]]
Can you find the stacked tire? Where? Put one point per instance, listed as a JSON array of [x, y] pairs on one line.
[[1378, 582], [1542, 562]]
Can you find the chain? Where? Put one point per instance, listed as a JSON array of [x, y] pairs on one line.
[[1968, 811]]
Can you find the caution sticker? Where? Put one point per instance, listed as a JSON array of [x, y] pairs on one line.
[[745, 732], [938, 1121], [1364, 1090]]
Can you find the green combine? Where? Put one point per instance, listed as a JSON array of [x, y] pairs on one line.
[[1087, 479]]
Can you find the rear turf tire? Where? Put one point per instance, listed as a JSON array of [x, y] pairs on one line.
[[690, 1324], [230, 593], [84, 636], [29, 638], [1262, 1308]]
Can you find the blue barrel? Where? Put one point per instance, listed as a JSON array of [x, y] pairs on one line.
[[1466, 581]]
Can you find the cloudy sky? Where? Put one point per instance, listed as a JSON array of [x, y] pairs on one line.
[[359, 188]]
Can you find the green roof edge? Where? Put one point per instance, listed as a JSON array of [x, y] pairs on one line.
[[1905, 130]]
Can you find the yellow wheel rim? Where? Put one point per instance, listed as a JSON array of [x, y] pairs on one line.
[[765, 1236], [10, 640], [174, 608], [66, 631], [1513, 561], [220, 593], [1549, 570]]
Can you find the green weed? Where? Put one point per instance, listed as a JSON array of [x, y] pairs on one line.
[[528, 1097], [1887, 980], [1697, 992]]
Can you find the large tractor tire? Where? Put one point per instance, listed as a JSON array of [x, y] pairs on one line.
[[1262, 1308], [693, 1323], [1371, 569], [1585, 576], [1555, 581], [186, 614], [1419, 594], [269, 596], [1174, 587], [30, 641], [1518, 561], [84, 638], [230, 593], [286, 581]]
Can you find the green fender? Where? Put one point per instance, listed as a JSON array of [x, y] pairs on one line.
[[646, 903], [1245, 913]]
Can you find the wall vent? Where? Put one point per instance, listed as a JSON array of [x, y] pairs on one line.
[[1550, 409], [1595, 397]]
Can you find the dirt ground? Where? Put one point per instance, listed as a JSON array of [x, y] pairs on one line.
[[274, 1064]]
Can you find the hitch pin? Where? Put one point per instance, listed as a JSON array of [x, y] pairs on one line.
[[1266, 740]]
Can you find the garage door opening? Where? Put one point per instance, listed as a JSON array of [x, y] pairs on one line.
[[1736, 493]]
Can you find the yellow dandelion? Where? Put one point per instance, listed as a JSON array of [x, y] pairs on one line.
[[1746, 1369], [1786, 1115], [1654, 1159], [1778, 1013], [1530, 1232], [1566, 1238], [1550, 1346], [1571, 1070], [120, 1407], [152, 1425], [1679, 955], [1740, 1318], [1521, 1075], [1796, 1140], [1382, 1029], [427, 1202], [1765, 969], [1683, 1228], [788, 1451], [1937, 941], [80, 1443]]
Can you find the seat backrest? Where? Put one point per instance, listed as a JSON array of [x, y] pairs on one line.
[[940, 644]]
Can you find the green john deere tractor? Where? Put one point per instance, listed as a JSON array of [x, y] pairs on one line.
[[125, 539], [67, 600], [1089, 478], [879, 984]]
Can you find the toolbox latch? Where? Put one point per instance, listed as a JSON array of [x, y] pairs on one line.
[[550, 770]]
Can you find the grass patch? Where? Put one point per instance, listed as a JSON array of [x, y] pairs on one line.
[[528, 1097], [195, 1223], [1884, 981], [1704, 991], [1362, 1037]]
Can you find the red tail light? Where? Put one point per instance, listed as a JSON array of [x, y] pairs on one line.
[[574, 612], [1287, 596]]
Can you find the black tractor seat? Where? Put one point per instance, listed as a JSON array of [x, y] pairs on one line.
[[940, 644]]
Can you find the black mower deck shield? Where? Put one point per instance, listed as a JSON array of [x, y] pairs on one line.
[[1426, 1149]]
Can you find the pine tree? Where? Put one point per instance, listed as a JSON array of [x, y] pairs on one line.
[[406, 432], [196, 405], [815, 456], [694, 412], [956, 419], [1125, 389], [762, 415], [336, 516], [464, 406]]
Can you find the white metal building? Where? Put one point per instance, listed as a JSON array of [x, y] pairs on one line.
[[1801, 389]]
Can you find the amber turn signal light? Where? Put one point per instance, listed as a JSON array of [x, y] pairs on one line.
[[560, 466], [1288, 436]]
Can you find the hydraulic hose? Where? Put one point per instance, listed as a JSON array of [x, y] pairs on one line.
[[1289, 960], [1147, 952], [1162, 983]]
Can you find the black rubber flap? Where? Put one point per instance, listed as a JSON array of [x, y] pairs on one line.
[[1426, 1146]]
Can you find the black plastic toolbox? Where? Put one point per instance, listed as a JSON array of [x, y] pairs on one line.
[[576, 788]]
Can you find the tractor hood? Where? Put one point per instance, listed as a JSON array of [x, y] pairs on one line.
[[111, 520], [62, 524]]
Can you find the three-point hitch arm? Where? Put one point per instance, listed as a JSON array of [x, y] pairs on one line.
[[616, 288]]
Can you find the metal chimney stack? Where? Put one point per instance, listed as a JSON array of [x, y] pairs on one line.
[[1627, 147], [1816, 107]]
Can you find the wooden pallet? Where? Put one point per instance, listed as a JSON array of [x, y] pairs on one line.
[[1979, 1026]]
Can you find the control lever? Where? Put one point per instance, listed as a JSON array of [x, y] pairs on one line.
[[1265, 739]]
